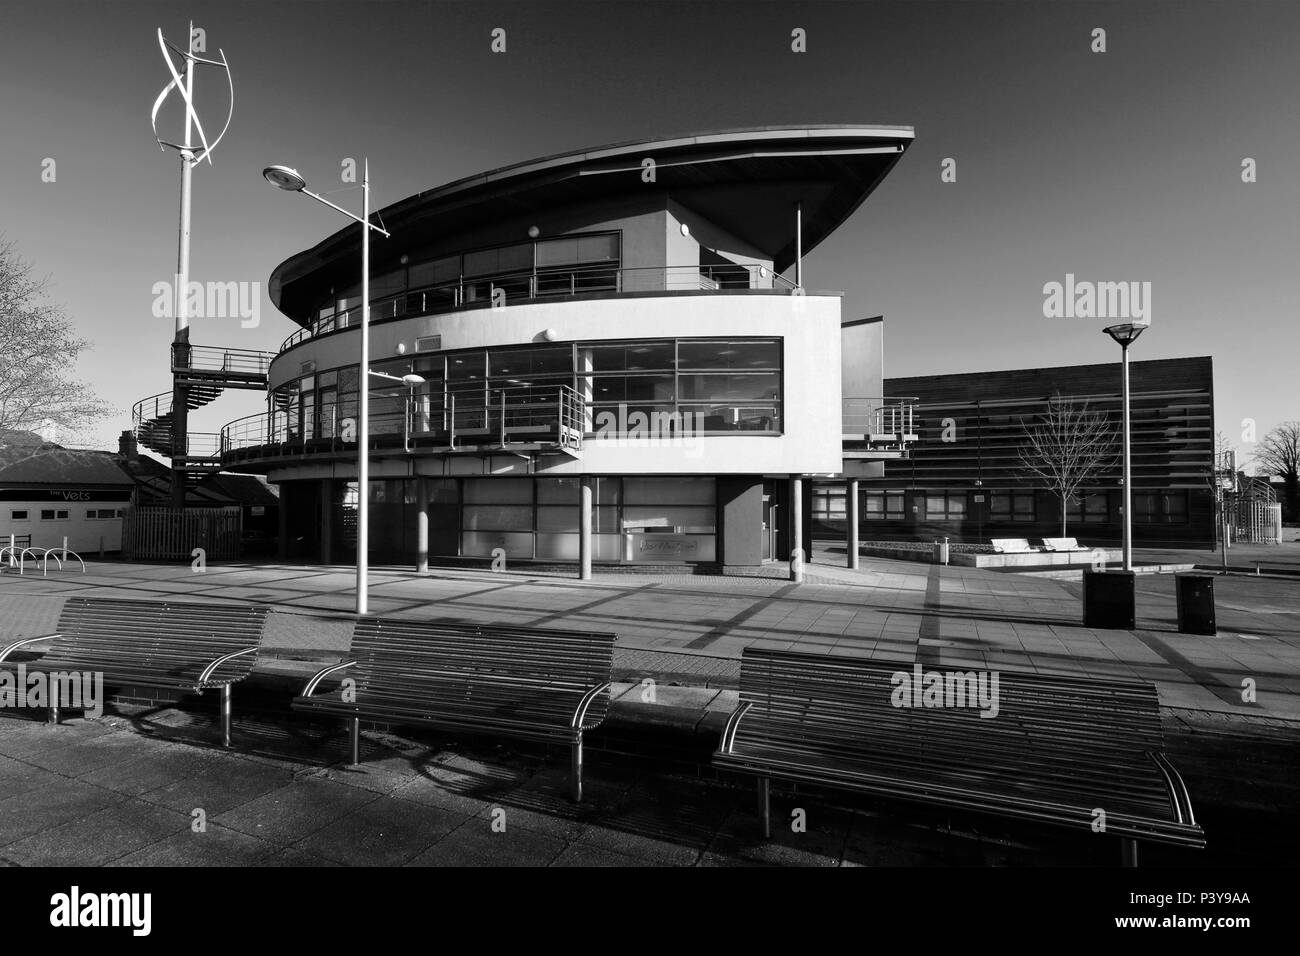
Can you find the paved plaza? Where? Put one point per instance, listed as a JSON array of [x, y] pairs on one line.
[[136, 776]]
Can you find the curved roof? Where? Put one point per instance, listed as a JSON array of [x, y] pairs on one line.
[[746, 181]]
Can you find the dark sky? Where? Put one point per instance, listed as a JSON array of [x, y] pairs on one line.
[[1117, 166]]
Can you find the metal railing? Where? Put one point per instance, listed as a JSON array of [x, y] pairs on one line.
[[450, 420], [543, 283], [210, 358], [879, 420]]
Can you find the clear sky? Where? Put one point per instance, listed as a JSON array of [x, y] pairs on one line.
[[1115, 166]]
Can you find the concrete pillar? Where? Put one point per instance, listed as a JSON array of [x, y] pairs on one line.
[[851, 520], [326, 505], [282, 509], [584, 530], [421, 525], [798, 553]]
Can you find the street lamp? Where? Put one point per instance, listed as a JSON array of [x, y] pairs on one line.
[[412, 382], [288, 179], [1126, 335]]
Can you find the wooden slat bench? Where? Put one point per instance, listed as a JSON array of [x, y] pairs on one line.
[[529, 683], [157, 644], [1058, 749]]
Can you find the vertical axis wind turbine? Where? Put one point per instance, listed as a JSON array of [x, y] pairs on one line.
[[190, 156]]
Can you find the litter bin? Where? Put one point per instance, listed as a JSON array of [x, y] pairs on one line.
[[1196, 604], [1108, 599], [941, 551]]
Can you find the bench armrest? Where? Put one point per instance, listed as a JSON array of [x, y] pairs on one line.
[[207, 671], [321, 675], [580, 714], [1178, 795], [733, 724], [29, 640]]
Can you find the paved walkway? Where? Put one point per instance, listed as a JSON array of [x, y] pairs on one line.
[[691, 628], [146, 788], [124, 789]]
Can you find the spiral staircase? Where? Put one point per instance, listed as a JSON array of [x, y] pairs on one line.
[[204, 372]]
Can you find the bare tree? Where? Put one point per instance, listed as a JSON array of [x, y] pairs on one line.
[[1279, 454], [38, 349], [1068, 447]]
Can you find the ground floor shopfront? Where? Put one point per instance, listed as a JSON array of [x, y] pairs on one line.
[[719, 521]]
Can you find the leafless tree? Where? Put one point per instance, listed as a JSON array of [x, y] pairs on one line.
[[1279, 454], [38, 350], [1068, 447]]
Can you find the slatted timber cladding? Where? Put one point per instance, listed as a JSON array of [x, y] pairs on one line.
[[519, 681], [154, 643], [1058, 748]]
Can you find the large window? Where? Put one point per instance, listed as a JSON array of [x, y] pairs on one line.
[[882, 505], [1163, 507], [945, 505], [1012, 506], [1091, 508], [633, 519], [703, 386], [642, 389]]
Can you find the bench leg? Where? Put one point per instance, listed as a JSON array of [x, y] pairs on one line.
[[1128, 851], [576, 771], [765, 806], [354, 735], [225, 715]]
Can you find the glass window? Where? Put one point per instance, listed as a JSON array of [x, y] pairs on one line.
[[570, 250], [506, 491], [506, 259], [556, 360], [761, 387], [435, 272], [18, 515], [628, 357], [729, 355], [945, 505], [1091, 508], [676, 491]]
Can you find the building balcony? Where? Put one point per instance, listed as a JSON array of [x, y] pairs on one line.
[[598, 281], [878, 428], [521, 421]]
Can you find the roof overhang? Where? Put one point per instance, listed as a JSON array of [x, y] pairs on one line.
[[748, 182]]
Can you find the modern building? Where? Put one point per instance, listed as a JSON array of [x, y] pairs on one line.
[[624, 326], [964, 478]]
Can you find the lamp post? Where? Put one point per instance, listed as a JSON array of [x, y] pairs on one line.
[[1126, 335], [287, 178]]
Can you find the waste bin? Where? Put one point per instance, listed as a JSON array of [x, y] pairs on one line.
[[1195, 604], [1108, 599], [941, 551]]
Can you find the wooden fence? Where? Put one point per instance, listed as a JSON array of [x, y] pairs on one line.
[[166, 534]]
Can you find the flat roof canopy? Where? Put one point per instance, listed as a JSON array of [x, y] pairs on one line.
[[746, 181]]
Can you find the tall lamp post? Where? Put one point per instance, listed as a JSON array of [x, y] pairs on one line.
[[287, 178], [1126, 335]]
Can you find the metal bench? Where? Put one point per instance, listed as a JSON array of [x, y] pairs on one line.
[[528, 683], [1012, 546], [157, 644], [1058, 750], [1062, 544]]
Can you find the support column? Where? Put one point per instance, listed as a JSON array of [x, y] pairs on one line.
[[421, 525], [851, 521], [326, 505], [282, 510], [798, 554], [584, 530]]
